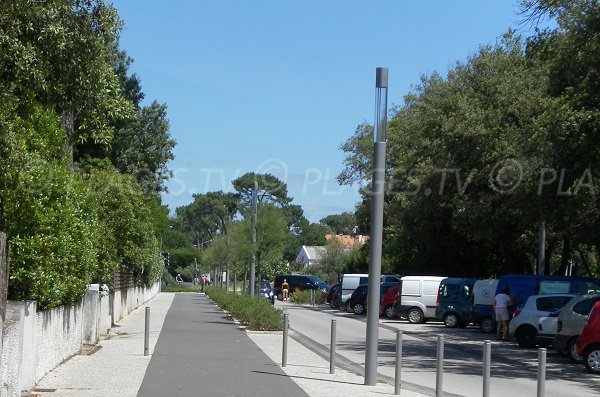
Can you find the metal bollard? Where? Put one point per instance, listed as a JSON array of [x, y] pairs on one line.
[[487, 360], [541, 381], [147, 331], [285, 341], [440, 367], [397, 379], [332, 349]]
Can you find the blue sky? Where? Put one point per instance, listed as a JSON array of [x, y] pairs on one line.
[[276, 86]]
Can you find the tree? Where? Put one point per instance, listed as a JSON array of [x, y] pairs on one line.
[[344, 223], [143, 147], [270, 189], [60, 53], [333, 258], [47, 211]]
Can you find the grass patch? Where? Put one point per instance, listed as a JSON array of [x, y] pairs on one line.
[[256, 314], [304, 297]]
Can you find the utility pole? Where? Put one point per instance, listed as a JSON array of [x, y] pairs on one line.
[[377, 192], [254, 211]]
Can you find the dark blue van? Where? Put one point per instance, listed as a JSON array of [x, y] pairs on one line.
[[522, 286], [455, 301]]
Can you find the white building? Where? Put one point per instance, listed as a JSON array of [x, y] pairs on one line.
[[310, 254]]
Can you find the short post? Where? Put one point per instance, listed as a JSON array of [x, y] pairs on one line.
[[487, 360], [285, 341], [398, 377], [332, 349], [440, 367], [541, 381], [147, 331]]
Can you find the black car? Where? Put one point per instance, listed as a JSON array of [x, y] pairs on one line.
[[358, 300], [300, 282], [264, 291], [331, 292]]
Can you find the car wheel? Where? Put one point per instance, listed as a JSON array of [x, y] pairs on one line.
[[526, 336], [451, 320], [487, 325], [572, 351], [390, 312], [415, 316], [592, 359], [358, 308]]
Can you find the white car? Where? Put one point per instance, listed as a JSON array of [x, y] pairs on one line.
[[532, 325]]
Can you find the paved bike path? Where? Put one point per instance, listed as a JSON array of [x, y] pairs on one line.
[[202, 352]]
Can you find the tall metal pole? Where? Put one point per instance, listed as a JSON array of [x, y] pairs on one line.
[[381, 85], [254, 211], [542, 249]]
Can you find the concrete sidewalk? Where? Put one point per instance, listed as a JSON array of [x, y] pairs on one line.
[[199, 351]]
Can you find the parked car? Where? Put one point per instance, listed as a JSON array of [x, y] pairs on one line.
[[418, 299], [588, 345], [300, 282], [264, 291], [531, 323], [358, 299], [390, 278], [390, 297], [571, 320], [332, 293], [350, 281], [484, 292], [455, 301]]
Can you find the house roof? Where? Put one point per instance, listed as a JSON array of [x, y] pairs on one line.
[[313, 252], [347, 240]]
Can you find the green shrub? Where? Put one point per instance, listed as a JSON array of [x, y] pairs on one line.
[[256, 314], [304, 297]]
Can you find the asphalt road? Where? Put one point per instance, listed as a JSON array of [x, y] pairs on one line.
[[513, 371]]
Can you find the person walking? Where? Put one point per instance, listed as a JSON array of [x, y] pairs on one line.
[[285, 288], [178, 279], [502, 301]]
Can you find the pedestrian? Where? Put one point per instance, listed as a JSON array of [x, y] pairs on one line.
[[285, 288], [204, 281], [178, 279], [502, 301]]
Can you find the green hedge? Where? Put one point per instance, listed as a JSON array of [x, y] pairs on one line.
[[255, 314], [304, 297]]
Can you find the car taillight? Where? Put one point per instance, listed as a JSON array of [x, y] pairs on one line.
[[517, 312]]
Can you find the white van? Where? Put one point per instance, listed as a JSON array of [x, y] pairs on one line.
[[419, 297], [348, 285], [484, 292]]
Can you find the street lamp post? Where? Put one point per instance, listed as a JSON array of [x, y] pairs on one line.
[[254, 211], [381, 85]]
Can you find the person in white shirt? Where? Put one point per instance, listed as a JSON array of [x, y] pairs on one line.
[[501, 303]]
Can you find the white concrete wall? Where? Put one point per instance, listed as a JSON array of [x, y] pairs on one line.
[[33, 343]]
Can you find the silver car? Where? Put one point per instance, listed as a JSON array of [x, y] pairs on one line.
[[571, 320]]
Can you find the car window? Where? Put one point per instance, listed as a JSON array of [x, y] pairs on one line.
[[449, 290], [552, 303], [585, 306], [588, 287], [466, 290]]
